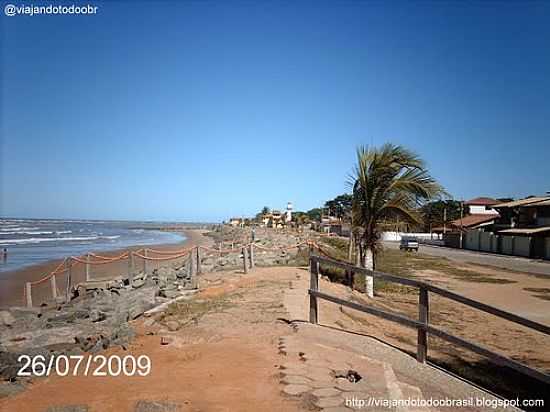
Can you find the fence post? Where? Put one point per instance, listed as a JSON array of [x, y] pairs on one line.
[[199, 269], [251, 255], [191, 268], [28, 294], [313, 286], [245, 259], [87, 267], [130, 267], [423, 317], [53, 284], [69, 276], [145, 261]]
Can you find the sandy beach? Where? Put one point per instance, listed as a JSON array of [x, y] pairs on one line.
[[12, 283]]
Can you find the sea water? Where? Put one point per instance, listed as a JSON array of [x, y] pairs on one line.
[[32, 241]]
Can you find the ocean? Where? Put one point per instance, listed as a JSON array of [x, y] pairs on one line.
[[33, 241]]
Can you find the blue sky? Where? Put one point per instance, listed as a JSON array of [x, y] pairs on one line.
[[202, 110]]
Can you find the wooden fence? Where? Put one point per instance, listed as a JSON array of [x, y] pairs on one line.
[[422, 324]]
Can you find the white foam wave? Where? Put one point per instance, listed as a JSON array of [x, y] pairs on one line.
[[18, 229], [28, 233], [34, 240]]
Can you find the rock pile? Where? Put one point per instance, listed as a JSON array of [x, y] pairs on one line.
[[96, 317]]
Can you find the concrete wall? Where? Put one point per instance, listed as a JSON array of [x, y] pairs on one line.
[[486, 241], [471, 240], [396, 236], [507, 245], [522, 246], [481, 210], [452, 240]]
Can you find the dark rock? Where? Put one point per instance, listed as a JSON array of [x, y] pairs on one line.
[[97, 316]]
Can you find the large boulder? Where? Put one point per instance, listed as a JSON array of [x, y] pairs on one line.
[[6, 318]]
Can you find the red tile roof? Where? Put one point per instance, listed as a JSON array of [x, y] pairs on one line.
[[482, 201], [468, 222]]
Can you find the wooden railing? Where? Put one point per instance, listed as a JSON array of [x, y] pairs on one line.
[[422, 324]]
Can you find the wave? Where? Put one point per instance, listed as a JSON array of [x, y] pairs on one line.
[[34, 240], [18, 229], [27, 233]]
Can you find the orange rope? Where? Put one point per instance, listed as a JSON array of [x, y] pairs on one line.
[[160, 258], [123, 256], [54, 272], [220, 250], [169, 252]]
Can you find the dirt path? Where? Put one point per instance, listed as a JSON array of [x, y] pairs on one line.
[[223, 351], [225, 360]]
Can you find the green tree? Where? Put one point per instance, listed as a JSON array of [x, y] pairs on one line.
[[440, 212], [300, 218], [314, 214], [265, 210], [340, 206], [388, 182]]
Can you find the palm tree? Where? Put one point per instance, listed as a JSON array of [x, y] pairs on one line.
[[388, 182]]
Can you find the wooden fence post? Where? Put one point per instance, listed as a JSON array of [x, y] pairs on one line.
[[87, 267], [130, 267], [252, 255], [245, 259], [145, 261], [28, 294], [313, 286], [69, 276], [53, 284], [423, 317], [191, 266], [199, 269]]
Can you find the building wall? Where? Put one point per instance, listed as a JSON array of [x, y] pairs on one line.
[[522, 246], [396, 236], [452, 239], [481, 210], [486, 241], [471, 240], [507, 245]]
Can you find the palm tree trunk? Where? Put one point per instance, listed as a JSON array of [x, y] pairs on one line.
[[367, 262], [369, 280]]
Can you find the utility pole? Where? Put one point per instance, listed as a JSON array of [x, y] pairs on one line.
[[444, 220], [461, 227]]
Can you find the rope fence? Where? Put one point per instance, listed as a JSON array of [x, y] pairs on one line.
[[74, 270]]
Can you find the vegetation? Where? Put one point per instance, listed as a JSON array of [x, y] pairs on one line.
[[388, 182], [440, 212], [340, 206]]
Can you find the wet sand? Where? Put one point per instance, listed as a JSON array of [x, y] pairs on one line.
[[12, 283]]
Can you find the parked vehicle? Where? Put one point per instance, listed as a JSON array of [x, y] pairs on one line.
[[409, 244]]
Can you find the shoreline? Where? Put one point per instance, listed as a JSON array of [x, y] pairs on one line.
[[12, 283]]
